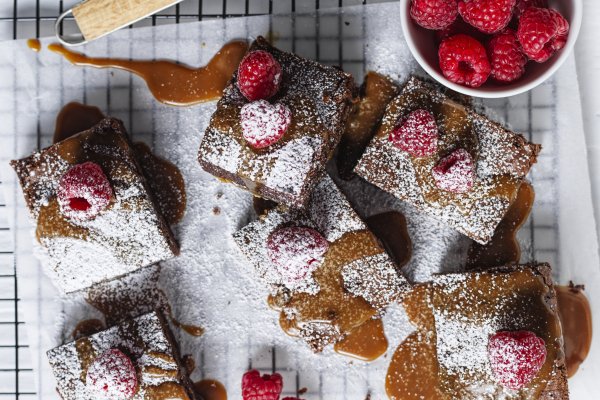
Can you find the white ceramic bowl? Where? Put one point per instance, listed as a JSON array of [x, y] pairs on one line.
[[422, 44]]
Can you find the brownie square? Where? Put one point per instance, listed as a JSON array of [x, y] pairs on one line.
[[320, 99], [128, 234], [470, 307], [501, 160], [353, 283], [148, 343]]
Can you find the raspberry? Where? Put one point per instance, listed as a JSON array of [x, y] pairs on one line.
[[489, 16], [434, 14], [84, 191], [463, 60], [255, 387], [507, 59], [455, 172], [522, 5], [263, 124], [296, 252], [542, 32], [259, 75], [516, 357], [417, 135], [112, 376]]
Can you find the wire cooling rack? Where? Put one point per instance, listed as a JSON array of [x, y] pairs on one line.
[[21, 19]]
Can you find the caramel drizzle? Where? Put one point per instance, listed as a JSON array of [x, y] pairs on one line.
[[34, 45], [172, 83], [210, 389]]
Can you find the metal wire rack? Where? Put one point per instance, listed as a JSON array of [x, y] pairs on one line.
[[20, 19]]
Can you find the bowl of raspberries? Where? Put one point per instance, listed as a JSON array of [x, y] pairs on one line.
[[491, 48]]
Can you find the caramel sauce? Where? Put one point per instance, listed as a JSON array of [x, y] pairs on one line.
[[34, 44], [376, 92], [261, 206], [74, 118], [51, 224], [390, 228], [210, 389], [166, 390], [164, 178], [87, 327], [366, 342], [504, 248], [165, 181], [576, 319], [172, 83], [413, 371], [154, 372], [332, 304], [189, 329], [86, 354]]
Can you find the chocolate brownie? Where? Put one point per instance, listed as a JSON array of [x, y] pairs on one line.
[[447, 160], [468, 308], [319, 98], [126, 233], [329, 274], [148, 344]]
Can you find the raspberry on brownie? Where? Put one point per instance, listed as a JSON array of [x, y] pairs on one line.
[[327, 272], [137, 359], [470, 178], [95, 216], [277, 124]]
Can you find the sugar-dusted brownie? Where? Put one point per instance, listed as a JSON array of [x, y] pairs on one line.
[[137, 359], [95, 216], [312, 102], [447, 160], [496, 333], [328, 273]]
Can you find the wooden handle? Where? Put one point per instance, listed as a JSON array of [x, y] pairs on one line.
[[97, 18]]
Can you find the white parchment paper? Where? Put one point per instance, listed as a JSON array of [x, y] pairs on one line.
[[211, 284]]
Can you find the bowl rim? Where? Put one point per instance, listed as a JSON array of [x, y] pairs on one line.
[[575, 26]]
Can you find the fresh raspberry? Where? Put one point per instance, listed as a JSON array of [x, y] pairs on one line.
[[259, 75], [255, 387], [542, 32], [507, 59], [263, 124], [522, 5], [455, 172], [516, 357], [434, 14], [296, 252], [417, 134], [112, 376], [84, 191], [463, 60], [489, 16]]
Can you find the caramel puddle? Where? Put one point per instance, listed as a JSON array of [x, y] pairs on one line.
[[210, 389], [576, 319], [172, 83], [366, 342], [34, 44]]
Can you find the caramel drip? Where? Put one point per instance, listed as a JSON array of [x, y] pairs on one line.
[[376, 92], [162, 356], [366, 342], [172, 83], [332, 304], [34, 44], [51, 224], [166, 390], [210, 389], [417, 309], [86, 354], [87, 327], [189, 329], [74, 118], [390, 228], [504, 248], [413, 371], [152, 371], [576, 319], [165, 181]]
